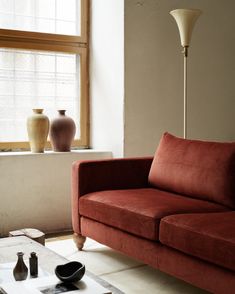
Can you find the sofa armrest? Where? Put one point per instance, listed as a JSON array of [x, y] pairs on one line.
[[111, 174]]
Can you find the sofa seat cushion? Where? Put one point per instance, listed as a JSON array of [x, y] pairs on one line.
[[209, 236], [198, 169], [138, 211]]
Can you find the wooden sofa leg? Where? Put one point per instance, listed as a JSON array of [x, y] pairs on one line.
[[79, 240]]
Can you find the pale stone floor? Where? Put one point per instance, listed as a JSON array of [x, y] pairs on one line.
[[127, 274]]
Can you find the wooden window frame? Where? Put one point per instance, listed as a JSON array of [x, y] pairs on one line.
[[59, 43]]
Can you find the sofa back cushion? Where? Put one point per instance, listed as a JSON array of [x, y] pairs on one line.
[[198, 169]]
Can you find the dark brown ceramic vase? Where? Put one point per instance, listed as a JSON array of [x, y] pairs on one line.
[[20, 270], [62, 132]]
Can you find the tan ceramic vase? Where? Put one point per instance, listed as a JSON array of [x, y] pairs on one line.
[[62, 132], [38, 128]]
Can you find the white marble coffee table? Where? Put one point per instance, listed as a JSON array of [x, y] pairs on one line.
[[47, 261]]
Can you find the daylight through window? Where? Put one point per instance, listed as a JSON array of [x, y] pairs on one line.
[[43, 64]]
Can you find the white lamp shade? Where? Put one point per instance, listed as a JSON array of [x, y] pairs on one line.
[[185, 19]]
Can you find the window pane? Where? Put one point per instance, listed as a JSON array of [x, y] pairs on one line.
[[24, 7], [6, 6], [45, 8], [36, 79], [47, 16], [66, 10]]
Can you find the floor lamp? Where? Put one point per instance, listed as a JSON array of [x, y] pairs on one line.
[[185, 19]]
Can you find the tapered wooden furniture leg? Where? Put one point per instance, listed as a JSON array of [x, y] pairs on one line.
[[79, 240]]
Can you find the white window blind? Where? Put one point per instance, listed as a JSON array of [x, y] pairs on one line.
[[47, 16], [36, 79]]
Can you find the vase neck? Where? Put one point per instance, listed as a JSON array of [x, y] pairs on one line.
[[20, 255], [61, 112], [38, 110]]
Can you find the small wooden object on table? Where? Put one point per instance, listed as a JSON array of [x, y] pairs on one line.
[[33, 234]]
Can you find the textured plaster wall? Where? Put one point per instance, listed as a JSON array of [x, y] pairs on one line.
[[154, 73], [35, 189]]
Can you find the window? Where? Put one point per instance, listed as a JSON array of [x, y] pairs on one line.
[[43, 64]]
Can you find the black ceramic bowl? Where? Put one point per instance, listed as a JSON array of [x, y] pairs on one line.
[[70, 272]]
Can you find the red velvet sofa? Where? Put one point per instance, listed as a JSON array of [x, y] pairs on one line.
[[174, 212]]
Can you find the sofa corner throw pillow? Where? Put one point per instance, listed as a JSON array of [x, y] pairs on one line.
[[198, 169]]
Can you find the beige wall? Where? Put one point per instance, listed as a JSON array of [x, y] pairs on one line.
[[35, 189], [154, 73]]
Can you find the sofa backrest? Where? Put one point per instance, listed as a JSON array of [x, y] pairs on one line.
[[198, 169]]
